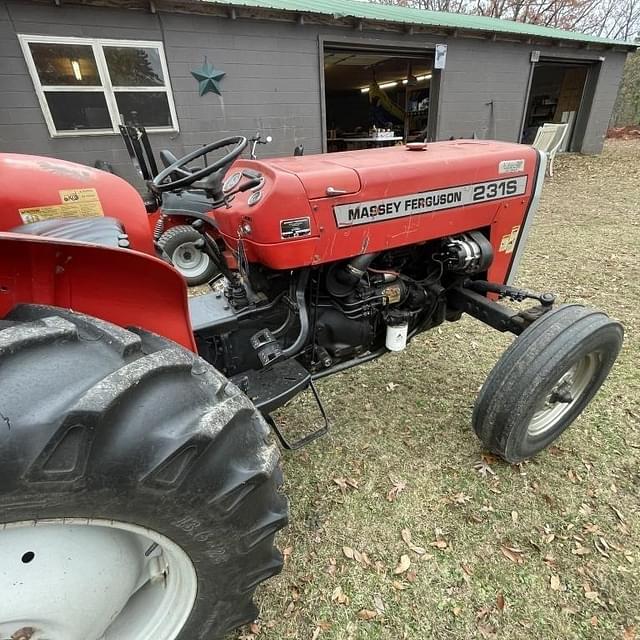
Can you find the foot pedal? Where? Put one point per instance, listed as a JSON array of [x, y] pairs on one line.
[[261, 339], [305, 440], [268, 348]]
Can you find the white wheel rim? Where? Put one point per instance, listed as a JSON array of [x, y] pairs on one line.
[[190, 260], [85, 579], [575, 381]]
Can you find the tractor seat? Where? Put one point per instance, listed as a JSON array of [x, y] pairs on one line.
[[98, 230], [185, 202]]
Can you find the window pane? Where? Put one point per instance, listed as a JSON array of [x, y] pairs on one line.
[[134, 66], [65, 64], [146, 108], [76, 110]]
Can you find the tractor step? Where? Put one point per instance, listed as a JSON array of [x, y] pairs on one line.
[[271, 388]]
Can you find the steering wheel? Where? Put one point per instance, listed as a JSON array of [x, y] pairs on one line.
[[163, 181]]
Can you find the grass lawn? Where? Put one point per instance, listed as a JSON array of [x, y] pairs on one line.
[[549, 549]]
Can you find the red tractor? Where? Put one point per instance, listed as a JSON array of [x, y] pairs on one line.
[[139, 482]]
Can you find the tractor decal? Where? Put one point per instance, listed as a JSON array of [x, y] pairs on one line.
[[428, 201]]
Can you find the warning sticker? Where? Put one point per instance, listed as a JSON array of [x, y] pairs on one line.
[[508, 241], [75, 203]]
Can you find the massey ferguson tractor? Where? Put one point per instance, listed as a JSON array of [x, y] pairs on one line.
[[140, 485]]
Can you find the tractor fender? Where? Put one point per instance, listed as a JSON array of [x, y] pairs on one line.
[[122, 286]]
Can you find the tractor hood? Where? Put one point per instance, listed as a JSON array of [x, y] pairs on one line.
[[320, 174]]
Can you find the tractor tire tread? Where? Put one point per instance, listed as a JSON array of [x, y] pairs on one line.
[[181, 449]]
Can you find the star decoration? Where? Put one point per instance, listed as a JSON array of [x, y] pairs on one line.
[[208, 78]]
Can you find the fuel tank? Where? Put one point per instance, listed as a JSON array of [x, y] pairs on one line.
[[37, 188], [318, 209]]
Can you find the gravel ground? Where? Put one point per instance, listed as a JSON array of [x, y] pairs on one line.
[[402, 527]]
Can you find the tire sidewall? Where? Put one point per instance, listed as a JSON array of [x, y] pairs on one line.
[[206, 539], [519, 444], [179, 236]]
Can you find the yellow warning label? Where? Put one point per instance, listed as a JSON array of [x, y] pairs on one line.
[[78, 195], [76, 203], [508, 241]]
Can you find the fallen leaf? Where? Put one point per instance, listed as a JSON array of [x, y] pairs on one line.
[[569, 611], [602, 547], [617, 512], [406, 537], [629, 633], [411, 576], [514, 516], [391, 386], [580, 550], [339, 596], [555, 583], [594, 621], [483, 468], [403, 565], [439, 544], [254, 627], [500, 602], [515, 555], [378, 604], [482, 613], [348, 552], [456, 611], [366, 614], [397, 488]]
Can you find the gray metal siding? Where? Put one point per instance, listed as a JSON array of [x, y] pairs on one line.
[[485, 86], [272, 81]]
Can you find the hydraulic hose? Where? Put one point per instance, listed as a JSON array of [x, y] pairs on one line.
[[303, 315]]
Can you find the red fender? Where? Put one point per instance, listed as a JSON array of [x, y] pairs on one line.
[[122, 286]]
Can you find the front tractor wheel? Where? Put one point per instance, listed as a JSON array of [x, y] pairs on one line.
[[139, 489], [544, 380], [182, 247]]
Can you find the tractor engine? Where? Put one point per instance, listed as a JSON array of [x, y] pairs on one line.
[[376, 300]]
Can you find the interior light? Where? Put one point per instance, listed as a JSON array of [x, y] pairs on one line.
[[388, 85], [75, 65]]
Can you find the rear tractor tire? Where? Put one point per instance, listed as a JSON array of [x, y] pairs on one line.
[[139, 489], [180, 246], [544, 380]]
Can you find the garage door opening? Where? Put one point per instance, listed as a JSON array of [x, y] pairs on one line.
[[556, 96], [377, 98]]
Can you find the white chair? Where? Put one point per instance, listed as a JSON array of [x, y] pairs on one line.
[[549, 139]]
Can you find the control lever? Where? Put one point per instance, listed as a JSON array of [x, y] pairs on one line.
[[507, 291], [211, 249]]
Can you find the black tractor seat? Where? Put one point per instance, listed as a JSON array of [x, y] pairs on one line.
[[98, 230], [185, 202]]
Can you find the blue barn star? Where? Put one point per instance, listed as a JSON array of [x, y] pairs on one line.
[[208, 78]]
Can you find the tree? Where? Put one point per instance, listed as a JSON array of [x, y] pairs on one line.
[[627, 108], [615, 19]]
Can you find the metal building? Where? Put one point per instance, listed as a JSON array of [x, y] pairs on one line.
[[326, 74]]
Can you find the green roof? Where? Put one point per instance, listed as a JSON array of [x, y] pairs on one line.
[[419, 17]]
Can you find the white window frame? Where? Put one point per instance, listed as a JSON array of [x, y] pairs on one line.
[[106, 87]]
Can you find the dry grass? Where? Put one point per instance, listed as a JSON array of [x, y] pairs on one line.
[[571, 517]]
